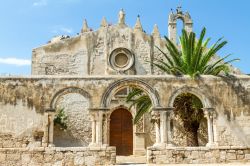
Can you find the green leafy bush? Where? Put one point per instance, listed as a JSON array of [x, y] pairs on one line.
[[61, 119]]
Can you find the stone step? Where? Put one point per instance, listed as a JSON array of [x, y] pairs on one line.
[[131, 160]]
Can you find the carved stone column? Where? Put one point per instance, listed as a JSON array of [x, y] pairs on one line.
[[93, 119], [170, 115], [156, 119], [45, 139], [106, 128], [165, 128], [215, 129], [48, 128], [97, 126], [51, 129], [210, 114]]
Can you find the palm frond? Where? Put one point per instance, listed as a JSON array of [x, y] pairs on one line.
[[193, 58]]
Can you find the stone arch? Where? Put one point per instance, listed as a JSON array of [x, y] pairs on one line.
[[75, 103], [195, 91], [118, 85], [67, 90], [180, 15], [172, 23], [208, 111], [118, 107]]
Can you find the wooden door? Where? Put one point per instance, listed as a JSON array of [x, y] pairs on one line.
[[121, 132]]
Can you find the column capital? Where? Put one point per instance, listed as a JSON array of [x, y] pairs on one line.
[[96, 115], [93, 116], [155, 116], [209, 112]]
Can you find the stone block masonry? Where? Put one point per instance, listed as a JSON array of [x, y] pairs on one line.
[[71, 156], [198, 155]]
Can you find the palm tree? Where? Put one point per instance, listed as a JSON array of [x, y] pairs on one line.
[[192, 58]]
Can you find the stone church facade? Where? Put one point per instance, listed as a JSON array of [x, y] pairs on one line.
[[87, 77]]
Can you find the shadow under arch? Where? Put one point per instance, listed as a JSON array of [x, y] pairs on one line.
[[131, 82], [76, 135], [185, 130], [68, 90], [119, 107], [195, 91]]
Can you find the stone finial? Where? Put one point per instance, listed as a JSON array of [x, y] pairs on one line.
[[85, 27], [179, 10], [121, 19], [138, 25], [104, 22], [156, 32]]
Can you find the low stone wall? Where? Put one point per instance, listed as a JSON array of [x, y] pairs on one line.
[[8, 141], [199, 155], [56, 156]]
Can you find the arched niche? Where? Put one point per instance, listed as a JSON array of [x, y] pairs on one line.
[[185, 130], [192, 90], [74, 102], [66, 91]]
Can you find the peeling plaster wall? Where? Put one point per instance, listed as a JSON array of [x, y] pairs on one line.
[[27, 98], [17, 125], [87, 53], [65, 57]]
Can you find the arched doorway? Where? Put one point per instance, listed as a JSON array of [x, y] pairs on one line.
[[121, 132]]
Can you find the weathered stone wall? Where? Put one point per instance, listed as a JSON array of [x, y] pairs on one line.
[[18, 125], [57, 156], [198, 155], [88, 53], [65, 57], [143, 50], [78, 132], [23, 99]]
